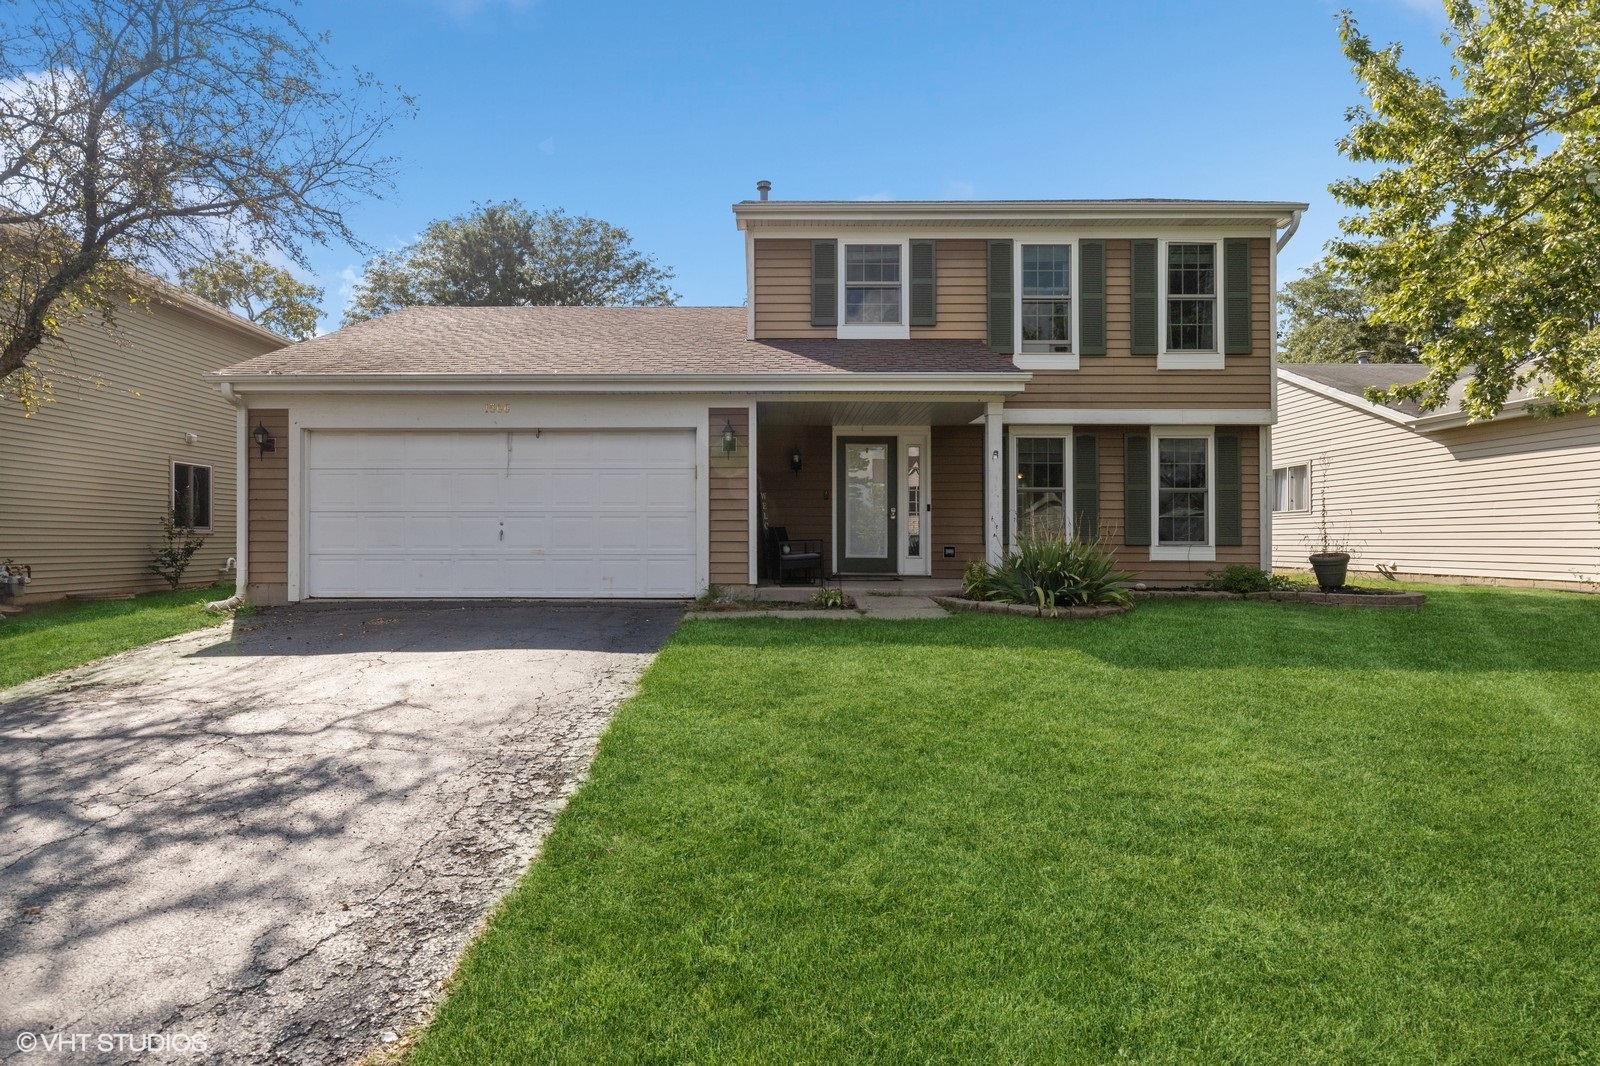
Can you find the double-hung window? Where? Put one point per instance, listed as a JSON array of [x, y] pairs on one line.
[[872, 284], [1291, 487], [191, 495], [1040, 501], [1184, 496], [1047, 297], [1191, 297]]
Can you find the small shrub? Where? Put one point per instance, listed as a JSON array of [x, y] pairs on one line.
[[1239, 578], [178, 544], [829, 598], [713, 595], [1050, 572]]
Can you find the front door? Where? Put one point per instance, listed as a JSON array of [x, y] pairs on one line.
[[868, 506]]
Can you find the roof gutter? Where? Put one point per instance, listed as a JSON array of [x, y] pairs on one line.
[[1008, 382]]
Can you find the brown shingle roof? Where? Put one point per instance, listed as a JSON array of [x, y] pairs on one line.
[[601, 340]]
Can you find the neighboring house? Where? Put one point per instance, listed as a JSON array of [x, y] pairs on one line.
[[137, 425], [1433, 495], [905, 381]]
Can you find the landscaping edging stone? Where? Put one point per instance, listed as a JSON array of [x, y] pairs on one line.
[[1326, 599], [956, 603]]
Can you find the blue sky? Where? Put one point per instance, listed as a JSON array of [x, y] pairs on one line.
[[658, 116]]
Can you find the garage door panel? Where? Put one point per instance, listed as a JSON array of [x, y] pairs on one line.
[[559, 513]]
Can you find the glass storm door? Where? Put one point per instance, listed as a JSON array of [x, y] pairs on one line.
[[868, 512]]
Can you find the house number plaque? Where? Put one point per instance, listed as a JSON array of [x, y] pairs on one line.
[[496, 408]]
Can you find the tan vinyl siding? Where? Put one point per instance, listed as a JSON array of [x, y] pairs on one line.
[[85, 481], [956, 492], [730, 498], [800, 503], [269, 510], [1137, 559], [1120, 379], [961, 280], [783, 289], [1509, 500]]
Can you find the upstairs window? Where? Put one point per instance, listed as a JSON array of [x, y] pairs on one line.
[[1047, 298], [872, 284], [191, 495], [1191, 297]]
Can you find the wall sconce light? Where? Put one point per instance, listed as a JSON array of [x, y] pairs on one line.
[[730, 440], [794, 459], [264, 440]]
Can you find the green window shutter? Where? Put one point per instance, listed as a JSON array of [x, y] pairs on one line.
[[1136, 489], [1086, 486], [824, 283], [1238, 315], [1230, 492], [1146, 297], [1092, 297], [1002, 306], [924, 309]]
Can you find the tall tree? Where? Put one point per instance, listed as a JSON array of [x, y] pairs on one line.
[[503, 255], [265, 294], [150, 133], [1328, 319], [1479, 232]]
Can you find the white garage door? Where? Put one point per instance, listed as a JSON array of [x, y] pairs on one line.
[[552, 513]]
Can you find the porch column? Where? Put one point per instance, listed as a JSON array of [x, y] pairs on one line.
[[994, 480]]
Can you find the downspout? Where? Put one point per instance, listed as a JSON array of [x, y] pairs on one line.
[[1288, 234], [241, 502]]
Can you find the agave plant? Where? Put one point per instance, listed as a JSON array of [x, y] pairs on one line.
[[1050, 572]]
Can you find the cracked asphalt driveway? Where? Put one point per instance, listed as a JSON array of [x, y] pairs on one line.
[[280, 835]]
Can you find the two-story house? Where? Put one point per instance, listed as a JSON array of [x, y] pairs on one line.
[[913, 383]]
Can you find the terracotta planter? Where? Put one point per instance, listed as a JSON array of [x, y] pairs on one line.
[[1330, 568]]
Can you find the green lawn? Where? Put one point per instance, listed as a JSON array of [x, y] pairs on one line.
[[1202, 832], [54, 636]]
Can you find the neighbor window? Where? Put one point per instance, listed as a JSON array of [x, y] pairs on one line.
[[1041, 486], [1047, 298], [1191, 297], [1291, 488], [872, 284], [1182, 491], [191, 495]]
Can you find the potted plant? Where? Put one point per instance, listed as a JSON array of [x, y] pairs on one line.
[[1330, 558]]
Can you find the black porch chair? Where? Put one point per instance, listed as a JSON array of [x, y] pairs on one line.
[[789, 557]]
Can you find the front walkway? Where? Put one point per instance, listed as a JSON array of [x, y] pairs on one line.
[[903, 597]]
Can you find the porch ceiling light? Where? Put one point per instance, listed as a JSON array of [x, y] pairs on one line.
[[730, 439], [794, 459], [264, 440]]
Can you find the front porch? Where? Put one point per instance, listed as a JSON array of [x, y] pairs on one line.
[[889, 488]]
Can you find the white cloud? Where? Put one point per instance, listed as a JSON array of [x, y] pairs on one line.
[[547, 146], [960, 189], [881, 195]]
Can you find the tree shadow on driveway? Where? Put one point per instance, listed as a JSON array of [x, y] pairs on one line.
[[286, 850]]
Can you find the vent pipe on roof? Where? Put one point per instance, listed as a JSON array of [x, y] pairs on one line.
[[763, 187], [1363, 357]]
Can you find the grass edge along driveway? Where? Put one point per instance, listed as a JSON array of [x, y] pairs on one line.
[[59, 635], [1201, 832]]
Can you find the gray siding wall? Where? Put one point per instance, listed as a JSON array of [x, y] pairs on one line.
[[84, 481], [1510, 500]]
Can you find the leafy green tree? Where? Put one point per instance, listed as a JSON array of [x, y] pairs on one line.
[[1327, 319], [267, 295], [1478, 230], [147, 134], [503, 255]]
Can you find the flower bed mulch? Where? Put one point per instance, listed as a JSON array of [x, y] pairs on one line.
[[1346, 596], [957, 603]]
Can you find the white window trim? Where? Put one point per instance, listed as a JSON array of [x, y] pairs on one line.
[[899, 331], [1063, 433], [1191, 553], [211, 490], [1291, 466], [1187, 359], [1045, 360]]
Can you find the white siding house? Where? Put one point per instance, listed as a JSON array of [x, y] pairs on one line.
[[1512, 500]]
